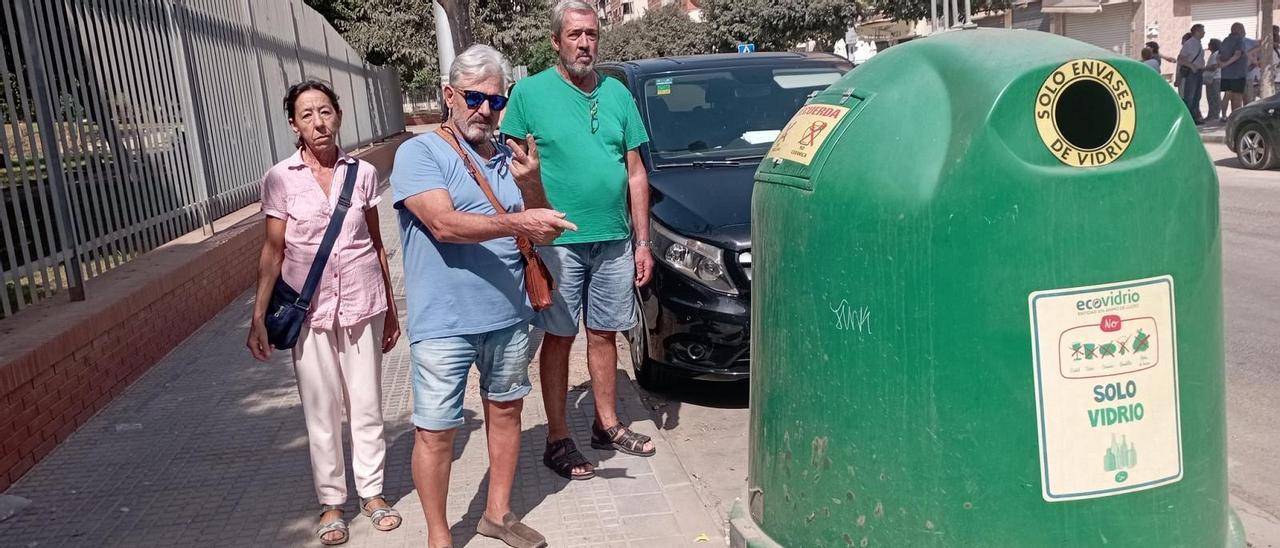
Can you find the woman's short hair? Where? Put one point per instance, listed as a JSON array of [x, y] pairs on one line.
[[477, 62], [1146, 54], [1155, 47], [296, 90]]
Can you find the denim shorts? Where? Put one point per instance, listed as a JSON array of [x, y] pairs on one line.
[[440, 368], [597, 278]]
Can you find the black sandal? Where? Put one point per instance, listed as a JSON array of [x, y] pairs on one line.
[[620, 438], [562, 456]]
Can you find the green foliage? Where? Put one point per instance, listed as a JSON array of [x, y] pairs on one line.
[[780, 25], [660, 32], [540, 56], [403, 33], [911, 10]]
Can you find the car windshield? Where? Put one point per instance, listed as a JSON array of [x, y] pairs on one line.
[[726, 113]]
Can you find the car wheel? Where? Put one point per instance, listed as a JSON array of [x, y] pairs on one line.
[[1253, 148], [650, 375]]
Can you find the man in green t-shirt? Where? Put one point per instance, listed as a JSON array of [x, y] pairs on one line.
[[588, 133]]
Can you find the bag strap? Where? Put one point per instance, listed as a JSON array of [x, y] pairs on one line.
[[330, 236], [445, 132]]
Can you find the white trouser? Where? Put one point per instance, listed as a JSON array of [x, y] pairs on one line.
[[337, 369]]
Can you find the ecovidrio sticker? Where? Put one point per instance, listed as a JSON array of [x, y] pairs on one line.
[[1085, 113], [1106, 371]]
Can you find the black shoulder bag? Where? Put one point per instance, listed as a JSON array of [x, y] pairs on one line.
[[288, 309]]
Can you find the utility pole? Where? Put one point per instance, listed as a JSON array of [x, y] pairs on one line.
[[1267, 60], [444, 40], [453, 34]]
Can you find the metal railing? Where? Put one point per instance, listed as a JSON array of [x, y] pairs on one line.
[[128, 123]]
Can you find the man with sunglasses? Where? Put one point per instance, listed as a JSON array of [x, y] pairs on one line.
[[588, 132], [464, 285]]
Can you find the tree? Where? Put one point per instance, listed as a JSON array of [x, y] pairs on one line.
[[912, 10], [403, 33], [660, 32], [521, 29], [780, 25]]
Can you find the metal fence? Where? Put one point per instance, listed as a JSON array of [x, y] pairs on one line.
[[127, 123]]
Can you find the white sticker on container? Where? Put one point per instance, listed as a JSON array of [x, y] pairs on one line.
[[1106, 372]]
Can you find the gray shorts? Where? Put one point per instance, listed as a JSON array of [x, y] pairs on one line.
[[597, 278]]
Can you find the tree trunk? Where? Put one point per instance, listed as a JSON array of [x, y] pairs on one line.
[[1267, 59]]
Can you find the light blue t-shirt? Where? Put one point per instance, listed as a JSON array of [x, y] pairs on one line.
[[457, 289]]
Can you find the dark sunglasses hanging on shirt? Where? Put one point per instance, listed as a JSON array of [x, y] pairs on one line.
[[475, 98]]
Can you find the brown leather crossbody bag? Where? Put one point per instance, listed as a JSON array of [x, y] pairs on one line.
[[537, 279]]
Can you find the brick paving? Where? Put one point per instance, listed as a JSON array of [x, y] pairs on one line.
[[209, 448]]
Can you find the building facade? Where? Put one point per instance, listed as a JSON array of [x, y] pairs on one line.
[[622, 11], [1123, 26]]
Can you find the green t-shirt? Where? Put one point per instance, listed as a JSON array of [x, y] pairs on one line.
[[585, 173]]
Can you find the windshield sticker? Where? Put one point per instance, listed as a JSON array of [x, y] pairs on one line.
[[806, 132], [664, 86], [1106, 371]]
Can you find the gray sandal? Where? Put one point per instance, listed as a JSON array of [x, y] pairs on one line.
[[339, 525], [376, 515]]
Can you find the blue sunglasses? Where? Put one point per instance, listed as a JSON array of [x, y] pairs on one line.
[[475, 98]]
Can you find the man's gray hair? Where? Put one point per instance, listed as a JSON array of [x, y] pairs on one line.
[[478, 62], [565, 6]]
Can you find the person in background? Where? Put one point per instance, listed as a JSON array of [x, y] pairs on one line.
[[1191, 62], [352, 321], [1275, 56], [1156, 58], [1234, 54], [1212, 79], [1253, 79], [1149, 59]]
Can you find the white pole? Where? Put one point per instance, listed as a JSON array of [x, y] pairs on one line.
[[933, 16], [444, 41], [968, 13], [946, 14]]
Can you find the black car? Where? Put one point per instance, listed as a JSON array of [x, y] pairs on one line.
[[711, 118], [1253, 133]]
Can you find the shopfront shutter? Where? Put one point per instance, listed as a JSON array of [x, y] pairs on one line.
[[1217, 16], [1110, 29]]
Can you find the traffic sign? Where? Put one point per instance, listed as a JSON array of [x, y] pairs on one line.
[[746, 48]]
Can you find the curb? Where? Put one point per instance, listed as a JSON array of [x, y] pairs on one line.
[[1216, 138]]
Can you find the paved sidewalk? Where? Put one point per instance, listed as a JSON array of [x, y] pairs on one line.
[[210, 448]]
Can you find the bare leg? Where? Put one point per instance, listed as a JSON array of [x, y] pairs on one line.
[[502, 425], [432, 461], [554, 372], [602, 362]]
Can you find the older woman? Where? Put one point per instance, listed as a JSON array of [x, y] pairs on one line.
[[352, 320]]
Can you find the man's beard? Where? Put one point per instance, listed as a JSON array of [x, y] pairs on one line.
[[577, 69], [476, 133]]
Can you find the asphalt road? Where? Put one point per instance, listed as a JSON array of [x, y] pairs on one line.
[[707, 422]]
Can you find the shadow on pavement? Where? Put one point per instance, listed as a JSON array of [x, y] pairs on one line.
[[664, 406], [1231, 162], [527, 493]]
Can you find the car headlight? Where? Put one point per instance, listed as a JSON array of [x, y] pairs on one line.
[[698, 261]]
